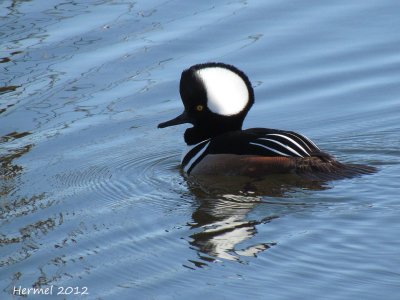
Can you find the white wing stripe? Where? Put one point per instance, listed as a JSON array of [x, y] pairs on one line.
[[300, 137], [270, 149], [292, 141], [312, 143], [283, 145], [194, 158]]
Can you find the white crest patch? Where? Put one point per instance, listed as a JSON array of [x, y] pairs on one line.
[[227, 93]]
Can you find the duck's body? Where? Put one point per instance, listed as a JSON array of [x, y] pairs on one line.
[[217, 98], [260, 151]]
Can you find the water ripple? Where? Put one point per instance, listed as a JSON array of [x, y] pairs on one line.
[[128, 178], [94, 196]]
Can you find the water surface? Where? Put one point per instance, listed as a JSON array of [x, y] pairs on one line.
[[91, 191]]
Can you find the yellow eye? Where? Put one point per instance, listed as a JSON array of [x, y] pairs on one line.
[[199, 107]]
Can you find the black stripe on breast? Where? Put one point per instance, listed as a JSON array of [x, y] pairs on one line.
[[192, 153], [196, 162]]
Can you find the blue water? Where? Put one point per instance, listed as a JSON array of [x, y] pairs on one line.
[[91, 191]]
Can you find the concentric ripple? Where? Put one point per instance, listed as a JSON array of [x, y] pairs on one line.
[[150, 176], [128, 178]]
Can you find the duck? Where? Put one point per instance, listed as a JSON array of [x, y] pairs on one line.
[[217, 98]]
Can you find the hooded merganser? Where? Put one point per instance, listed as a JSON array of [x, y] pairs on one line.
[[217, 98]]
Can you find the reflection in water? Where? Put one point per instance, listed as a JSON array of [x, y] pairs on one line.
[[19, 238], [11, 207], [97, 201], [9, 170], [221, 222], [9, 88], [224, 225]]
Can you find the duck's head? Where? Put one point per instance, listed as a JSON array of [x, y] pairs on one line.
[[216, 97]]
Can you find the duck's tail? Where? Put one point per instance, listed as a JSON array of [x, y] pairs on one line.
[[328, 168]]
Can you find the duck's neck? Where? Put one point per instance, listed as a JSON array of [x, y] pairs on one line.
[[197, 134]]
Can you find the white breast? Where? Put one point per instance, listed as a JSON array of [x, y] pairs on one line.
[[193, 156]]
